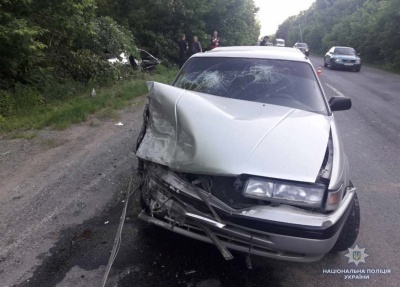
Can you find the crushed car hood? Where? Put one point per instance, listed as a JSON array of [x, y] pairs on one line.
[[200, 133]]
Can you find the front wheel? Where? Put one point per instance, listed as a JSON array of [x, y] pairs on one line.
[[350, 229]]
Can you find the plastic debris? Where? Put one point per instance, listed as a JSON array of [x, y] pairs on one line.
[[119, 124], [93, 93], [190, 272], [106, 222]]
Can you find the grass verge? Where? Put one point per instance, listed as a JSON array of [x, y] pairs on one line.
[[76, 109]]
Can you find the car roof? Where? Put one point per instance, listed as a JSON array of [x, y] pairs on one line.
[[343, 47], [261, 52]]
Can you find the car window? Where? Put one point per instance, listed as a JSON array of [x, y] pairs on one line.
[[145, 56], [345, 51], [303, 45], [279, 82]]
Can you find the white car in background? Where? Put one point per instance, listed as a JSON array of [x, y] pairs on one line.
[[280, 42], [146, 61]]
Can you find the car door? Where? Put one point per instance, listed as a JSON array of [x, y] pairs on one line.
[[329, 55], [148, 61]]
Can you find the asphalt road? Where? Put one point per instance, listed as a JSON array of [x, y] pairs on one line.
[[149, 256]]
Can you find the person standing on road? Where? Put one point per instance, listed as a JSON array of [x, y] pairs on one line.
[[183, 47], [215, 40], [196, 46], [264, 41]]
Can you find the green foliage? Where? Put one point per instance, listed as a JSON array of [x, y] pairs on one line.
[[157, 25], [76, 109], [50, 51], [65, 37], [370, 26]]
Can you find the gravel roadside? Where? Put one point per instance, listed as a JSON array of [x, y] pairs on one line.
[[57, 180]]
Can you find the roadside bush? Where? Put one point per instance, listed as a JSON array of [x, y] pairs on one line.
[[26, 98], [112, 39], [6, 103], [160, 69]]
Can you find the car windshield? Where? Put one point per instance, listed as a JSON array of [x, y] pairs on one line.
[[278, 82], [302, 45], [280, 41], [344, 51]]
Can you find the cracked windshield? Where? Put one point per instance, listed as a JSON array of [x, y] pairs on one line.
[[287, 83]]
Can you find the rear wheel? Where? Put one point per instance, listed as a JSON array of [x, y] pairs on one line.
[[350, 229]]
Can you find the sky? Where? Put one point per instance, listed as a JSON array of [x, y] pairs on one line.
[[273, 12]]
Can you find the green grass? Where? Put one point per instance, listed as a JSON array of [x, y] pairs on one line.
[[76, 109]]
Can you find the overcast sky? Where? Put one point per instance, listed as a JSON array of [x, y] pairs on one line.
[[273, 13]]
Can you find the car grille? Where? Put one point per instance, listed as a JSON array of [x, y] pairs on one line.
[[349, 61]]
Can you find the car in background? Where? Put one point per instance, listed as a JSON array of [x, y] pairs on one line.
[[280, 42], [242, 151], [342, 58], [145, 62], [303, 47]]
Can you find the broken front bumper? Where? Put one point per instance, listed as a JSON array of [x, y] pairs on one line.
[[281, 232]]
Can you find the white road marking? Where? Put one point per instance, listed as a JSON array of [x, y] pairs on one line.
[[340, 94]]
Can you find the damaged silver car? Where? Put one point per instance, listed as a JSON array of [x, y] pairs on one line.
[[243, 151]]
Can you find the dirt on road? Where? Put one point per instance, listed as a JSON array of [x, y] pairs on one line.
[[57, 180]]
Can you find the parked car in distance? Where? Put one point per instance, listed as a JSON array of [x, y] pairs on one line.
[[280, 42], [303, 47], [242, 151], [145, 62], [342, 58], [148, 61]]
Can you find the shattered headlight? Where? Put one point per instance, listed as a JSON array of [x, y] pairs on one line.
[[310, 195]]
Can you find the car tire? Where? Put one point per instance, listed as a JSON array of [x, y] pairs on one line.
[[358, 69], [330, 67], [350, 230], [325, 65]]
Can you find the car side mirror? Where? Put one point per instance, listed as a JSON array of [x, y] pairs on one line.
[[340, 104]]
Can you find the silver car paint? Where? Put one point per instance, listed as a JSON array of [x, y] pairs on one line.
[[206, 134], [340, 166]]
